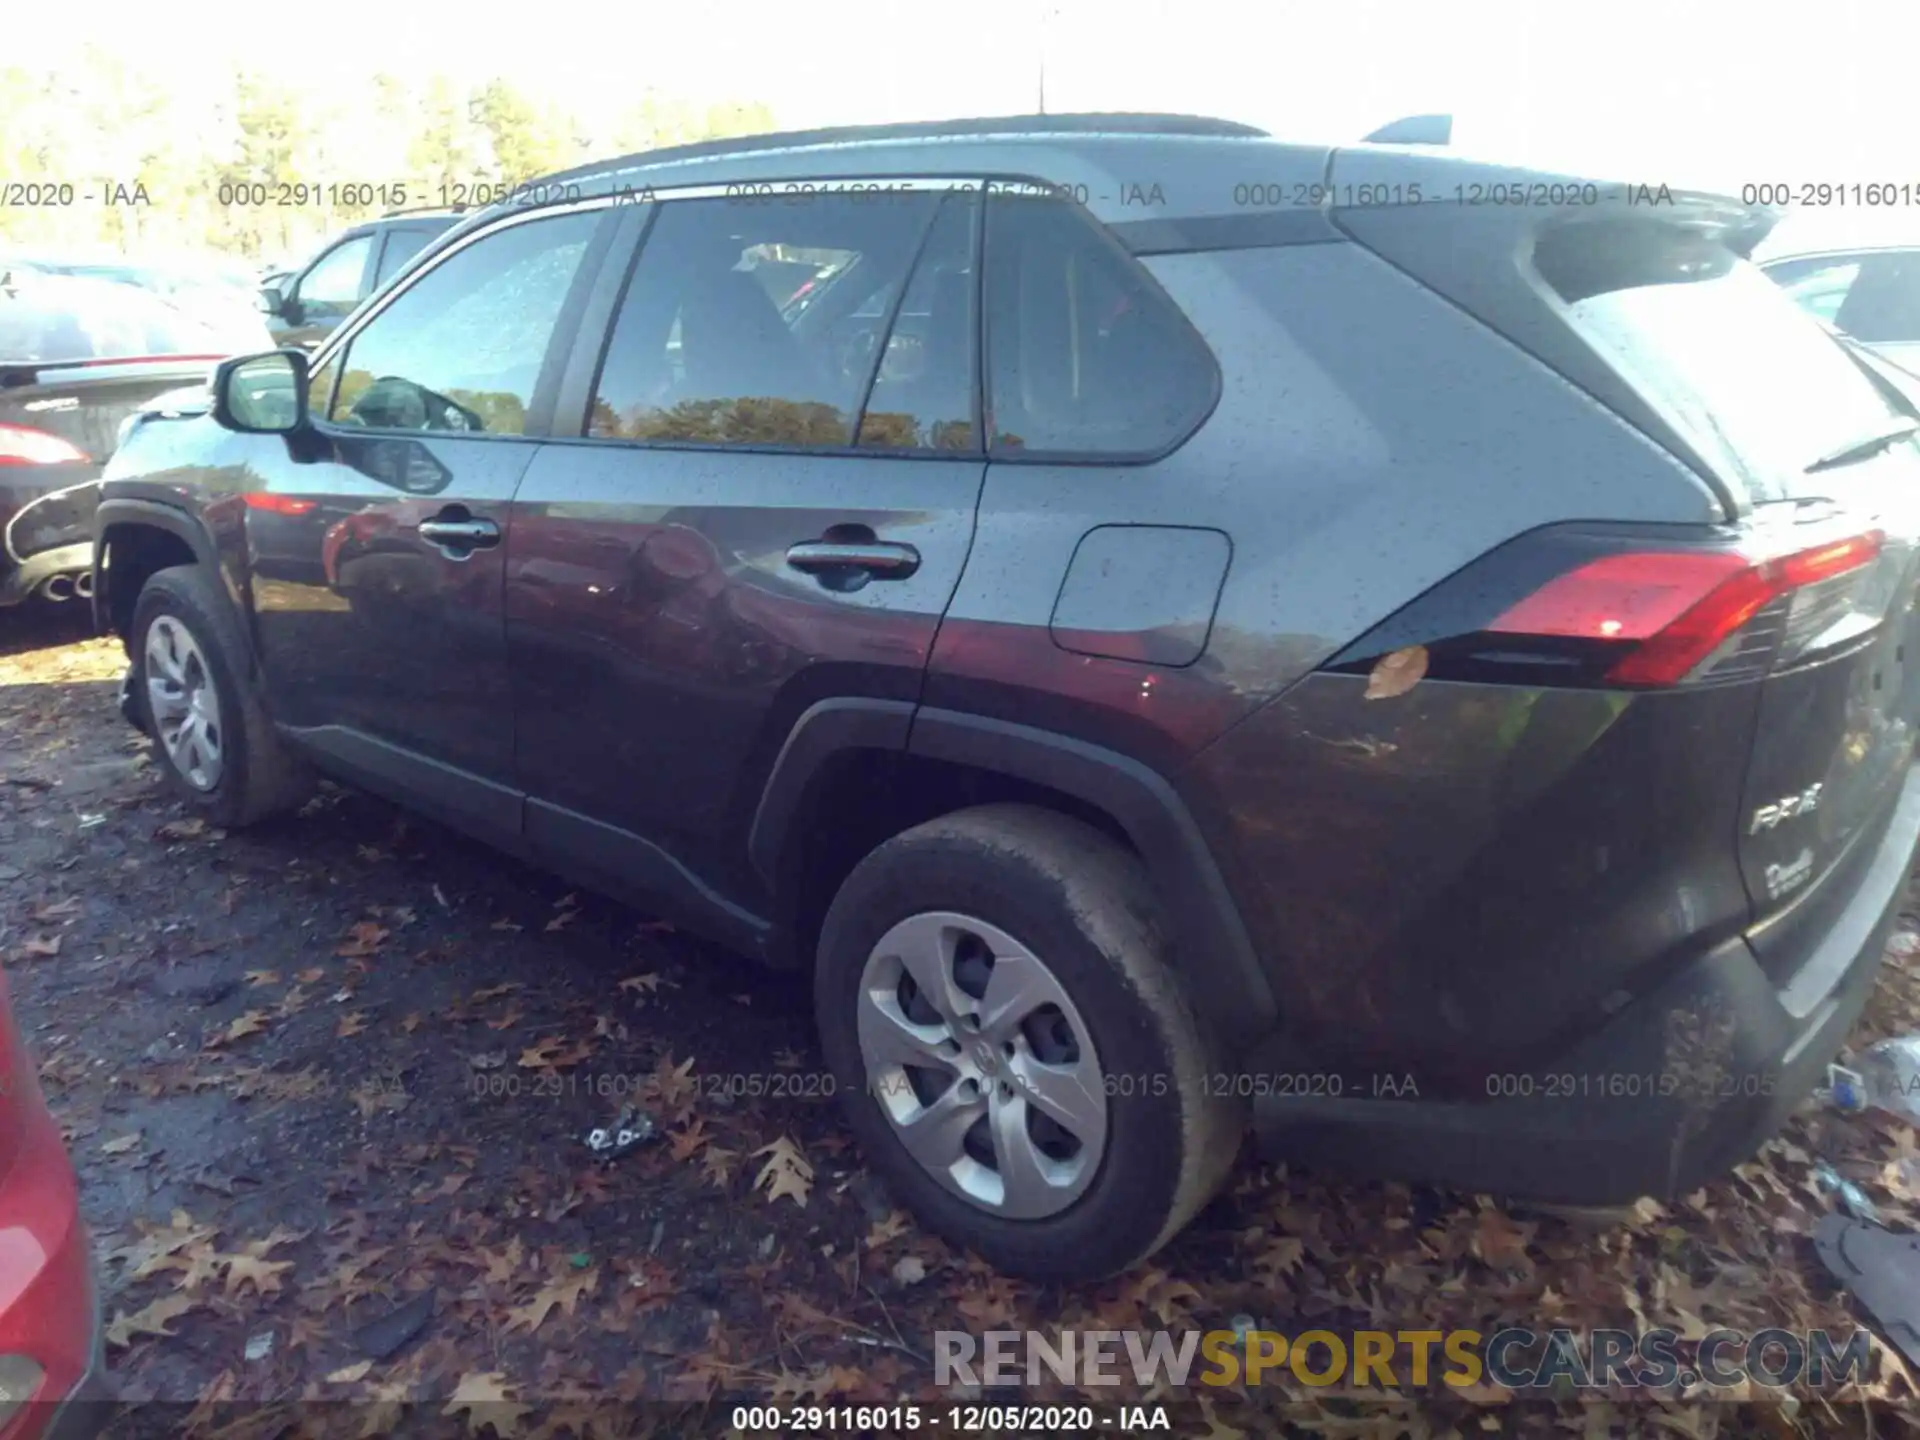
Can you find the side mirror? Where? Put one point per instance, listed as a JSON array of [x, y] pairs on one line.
[[270, 301], [262, 394]]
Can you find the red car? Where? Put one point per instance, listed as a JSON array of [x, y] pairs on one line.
[[51, 1361]]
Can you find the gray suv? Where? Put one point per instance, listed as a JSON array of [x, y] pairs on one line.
[[1170, 628], [302, 308]]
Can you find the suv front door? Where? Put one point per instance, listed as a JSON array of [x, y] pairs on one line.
[[376, 543], [675, 597]]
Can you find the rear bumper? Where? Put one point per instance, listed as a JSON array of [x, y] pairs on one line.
[[52, 1309], [1685, 1082], [19, 581]]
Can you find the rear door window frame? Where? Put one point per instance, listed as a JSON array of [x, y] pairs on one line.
[[577, 391]]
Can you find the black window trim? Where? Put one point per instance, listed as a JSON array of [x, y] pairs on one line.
[[946, 185], [1105, 235], [552, 364]]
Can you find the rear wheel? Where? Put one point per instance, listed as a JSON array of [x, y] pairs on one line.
[[213, 740], [1017, 1055]]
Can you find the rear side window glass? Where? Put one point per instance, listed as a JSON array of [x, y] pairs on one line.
[[1086, 356], [461, 348], [1753, 380], [923, 391], [402, 246], [757, 325]]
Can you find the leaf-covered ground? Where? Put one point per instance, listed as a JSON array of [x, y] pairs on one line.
[[337, 1073]]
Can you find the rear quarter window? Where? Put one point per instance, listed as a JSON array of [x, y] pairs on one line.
[[1086, 356]]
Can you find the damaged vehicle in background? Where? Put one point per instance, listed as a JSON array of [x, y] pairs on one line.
[[78, 358], [1430, 680]]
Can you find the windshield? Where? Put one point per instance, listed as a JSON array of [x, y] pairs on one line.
[[1757, 384]]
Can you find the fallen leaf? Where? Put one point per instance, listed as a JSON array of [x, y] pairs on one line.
[[39, 947], [909, 1270], [59, 910], [188, 829], [412, 1022], [488, 1060], [363, 938], [564, 1293], [786, 1172], [891, 1228], [483, 1396], [122, 1145], [506, 925], [263, 1275], [150, 1321], [672, 1083], [554, 1053], [312, 975], [506, 1021], [687, 1143], [718, 1164], [641, 984], [348, 1374], [251, 1023], [351, 1023], [262, 977], [1397, 673], [502, 1264]]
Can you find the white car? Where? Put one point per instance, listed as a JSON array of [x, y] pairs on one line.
[[1870, 292]]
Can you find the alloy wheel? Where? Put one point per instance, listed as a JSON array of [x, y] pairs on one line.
[[184, 703], [983, 1065]]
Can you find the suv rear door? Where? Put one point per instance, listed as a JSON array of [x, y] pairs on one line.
[[762, 504]]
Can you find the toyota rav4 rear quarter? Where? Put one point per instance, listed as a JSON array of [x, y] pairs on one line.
[[1640, 539]]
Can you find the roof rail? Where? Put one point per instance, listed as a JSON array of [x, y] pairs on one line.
[[1086, 123], [1414, 130], [425, 210]]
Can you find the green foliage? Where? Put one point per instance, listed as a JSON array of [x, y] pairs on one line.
[[267, 166]]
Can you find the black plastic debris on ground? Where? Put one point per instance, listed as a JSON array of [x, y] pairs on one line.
[[1881, 1270], [383, 1338]]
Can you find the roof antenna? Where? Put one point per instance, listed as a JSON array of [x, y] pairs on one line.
[[1045, 11]]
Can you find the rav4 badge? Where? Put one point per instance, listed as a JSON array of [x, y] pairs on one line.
[[1785, 808]]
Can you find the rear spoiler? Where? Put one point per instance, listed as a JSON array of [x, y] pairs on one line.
[[1414, 130]]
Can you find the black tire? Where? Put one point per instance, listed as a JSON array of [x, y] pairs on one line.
[[258, 778], [1085, 906]]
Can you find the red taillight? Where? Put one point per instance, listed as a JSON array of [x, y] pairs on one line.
[[22, 446], [280, 504], [1678, 605]]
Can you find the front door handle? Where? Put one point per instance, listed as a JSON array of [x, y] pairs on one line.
[[879, 559], [457, 532]]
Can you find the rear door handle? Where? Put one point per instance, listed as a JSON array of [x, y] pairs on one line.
[[880, 559]]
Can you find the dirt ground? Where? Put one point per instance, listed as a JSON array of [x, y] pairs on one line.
[[336, 1073]]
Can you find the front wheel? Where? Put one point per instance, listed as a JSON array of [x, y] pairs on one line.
[[1019, 1058], [213, 740]]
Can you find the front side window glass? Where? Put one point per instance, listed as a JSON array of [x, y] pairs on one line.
[[461, 348]]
